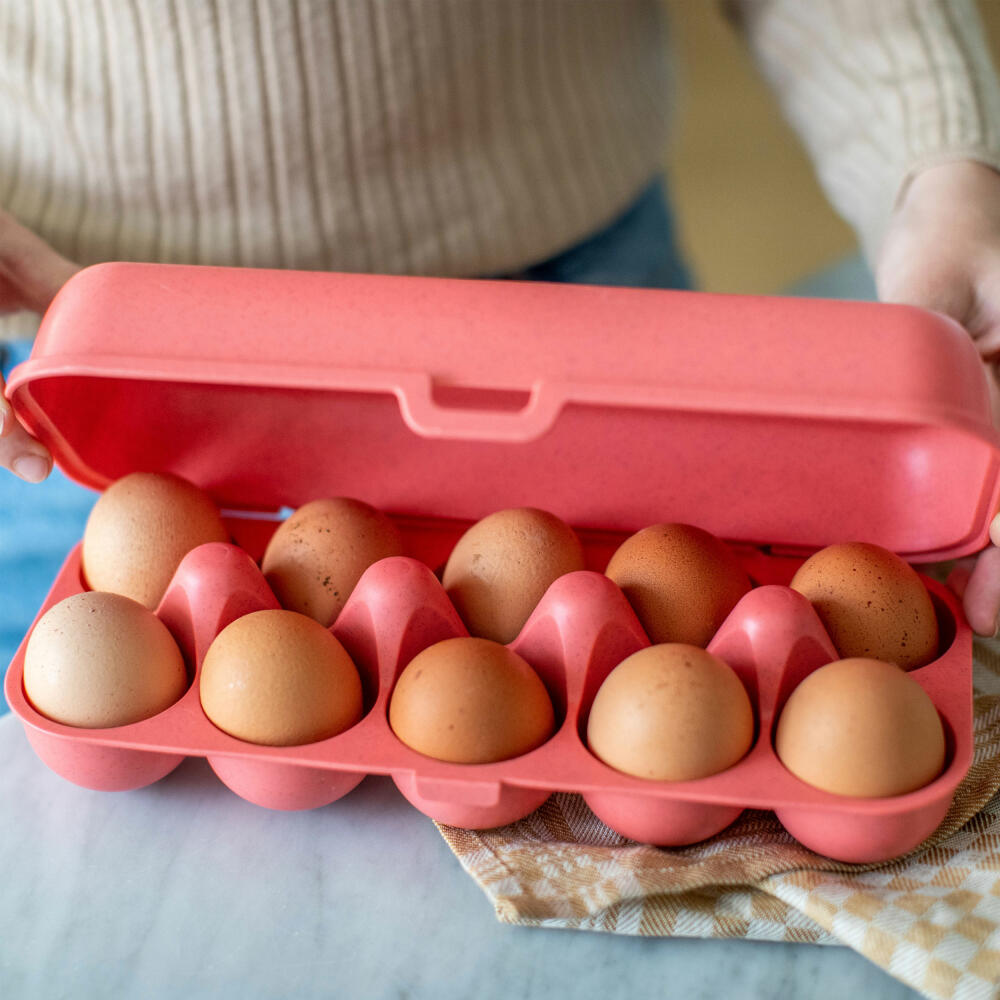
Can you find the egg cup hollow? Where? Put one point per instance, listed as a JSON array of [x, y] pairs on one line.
[[580, 630], [101, 767]]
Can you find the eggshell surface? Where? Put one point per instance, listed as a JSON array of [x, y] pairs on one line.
[[681, 581], [500, 568], [671, 712], [317, 555], [279, 678], [861, 727], [470, 701], [140, 529], [98, 660], [872, 603]]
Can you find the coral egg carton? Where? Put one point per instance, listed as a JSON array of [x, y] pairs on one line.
[[782, 425]]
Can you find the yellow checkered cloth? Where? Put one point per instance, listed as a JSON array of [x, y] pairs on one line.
[[931, 919]]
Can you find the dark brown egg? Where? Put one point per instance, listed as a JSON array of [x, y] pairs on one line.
[[681, 581]]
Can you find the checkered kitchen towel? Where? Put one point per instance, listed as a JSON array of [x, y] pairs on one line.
[[931, 919]]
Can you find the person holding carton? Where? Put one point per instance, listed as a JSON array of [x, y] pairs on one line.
[[516, 138]]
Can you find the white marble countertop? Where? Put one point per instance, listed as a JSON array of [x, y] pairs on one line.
[[183, 889]]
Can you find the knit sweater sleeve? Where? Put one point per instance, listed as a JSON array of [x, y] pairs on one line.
[[878, 91]]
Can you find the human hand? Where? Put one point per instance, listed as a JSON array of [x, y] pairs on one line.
[[31, 273], [942, 252]]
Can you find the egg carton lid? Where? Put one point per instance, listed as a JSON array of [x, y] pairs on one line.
[[779, 421]]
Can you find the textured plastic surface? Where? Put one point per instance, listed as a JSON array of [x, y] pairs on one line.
[[784, 423], [580, 630]]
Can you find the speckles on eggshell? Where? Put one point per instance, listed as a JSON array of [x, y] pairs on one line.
[[500, 568], [316, 557], [871, 602]]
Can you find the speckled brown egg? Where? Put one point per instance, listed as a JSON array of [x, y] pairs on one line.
[[681, 581], [470, 701], [501, 567], [98, 660], [861, 727], [316, 557], [671, 712], [140, 529], [279, 678], [872, 603]]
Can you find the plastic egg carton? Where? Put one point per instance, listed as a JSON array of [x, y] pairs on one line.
[[582, 628], [784, 424]]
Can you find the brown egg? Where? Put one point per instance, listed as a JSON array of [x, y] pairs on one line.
[[470, 701], [671, 712], [140, 529], [316, 557], [98, 660], [501, 567], [871, 602], [280, 679], [861, 727], [681, 581]]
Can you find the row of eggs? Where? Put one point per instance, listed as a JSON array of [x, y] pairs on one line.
[[859, 726], [681, 581]]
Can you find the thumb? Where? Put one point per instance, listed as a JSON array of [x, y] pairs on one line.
[[19, 451], [981, 592]]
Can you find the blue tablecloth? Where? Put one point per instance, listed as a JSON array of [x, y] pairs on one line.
[[39, 524]]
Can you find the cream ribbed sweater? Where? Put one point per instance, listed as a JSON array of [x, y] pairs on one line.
[[455, 137]]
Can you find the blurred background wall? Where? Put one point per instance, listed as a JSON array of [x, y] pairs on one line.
[[752, 217]]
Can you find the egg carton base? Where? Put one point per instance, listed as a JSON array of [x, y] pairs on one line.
[[581, 629]]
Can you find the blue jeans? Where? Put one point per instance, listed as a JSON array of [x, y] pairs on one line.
[[637, 250], [40, 524]]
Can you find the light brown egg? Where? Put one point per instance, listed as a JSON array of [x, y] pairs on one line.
[[470, 701], [140, 529], [681, 581], [501, 567], [279, 678], [872, 603], [861, 727], [98, 660], [671, 712], [316, 557]]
